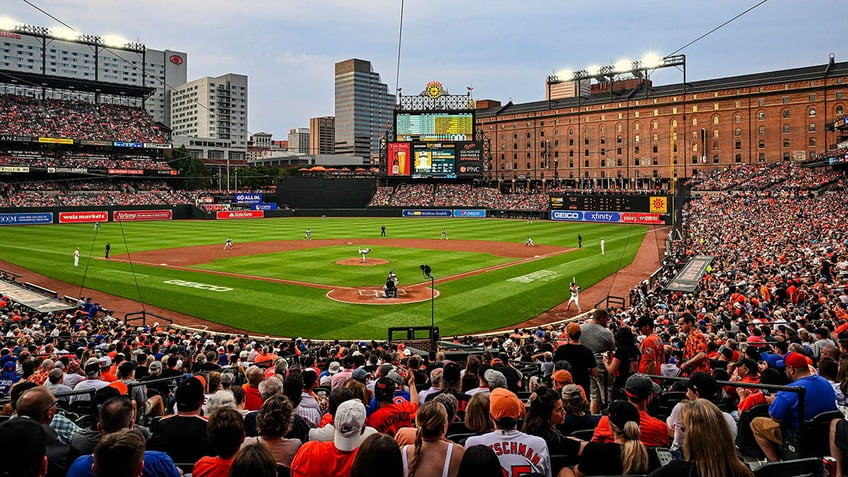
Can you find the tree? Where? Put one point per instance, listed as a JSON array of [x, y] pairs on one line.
[[194, 173]]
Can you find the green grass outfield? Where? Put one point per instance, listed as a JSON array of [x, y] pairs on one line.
[[479, 302]]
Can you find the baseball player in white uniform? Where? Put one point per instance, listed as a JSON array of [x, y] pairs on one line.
[[603, 246], [76, 257], [574, 289]]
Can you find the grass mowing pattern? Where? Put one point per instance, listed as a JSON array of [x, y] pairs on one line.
[[486, 301]]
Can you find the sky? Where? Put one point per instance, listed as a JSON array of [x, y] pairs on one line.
[[504, 50]]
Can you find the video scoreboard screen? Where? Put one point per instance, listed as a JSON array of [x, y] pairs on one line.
[[434, 126], [611, 203], [448, 160]]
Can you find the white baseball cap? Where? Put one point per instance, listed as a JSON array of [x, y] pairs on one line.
[[349, 423]]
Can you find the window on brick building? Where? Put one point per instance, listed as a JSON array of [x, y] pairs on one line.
[[786, 129], [811, 112], [715, 159], [812, 142], [811, 127], [738, 158], [761, 116], [761, 130], [786, 142], [839, 110], [785, 114], [761, 144], [738, 145], [737, 132], [761, 157]]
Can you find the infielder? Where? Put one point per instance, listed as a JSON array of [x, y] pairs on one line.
[[444, 235], [307, 235], [529, 242], [228, 245]]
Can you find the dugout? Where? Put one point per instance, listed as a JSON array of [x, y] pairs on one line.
[[302, 192]]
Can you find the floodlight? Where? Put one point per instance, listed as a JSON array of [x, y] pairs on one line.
[[64, 33], [651, 60], [114, 40], [8, 24], [623, 66]]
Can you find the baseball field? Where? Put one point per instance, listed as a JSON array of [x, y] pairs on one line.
[[275, 282]]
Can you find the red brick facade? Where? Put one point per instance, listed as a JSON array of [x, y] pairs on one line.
[[666, 132]]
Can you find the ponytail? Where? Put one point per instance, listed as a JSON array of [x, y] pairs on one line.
[[634, 454]]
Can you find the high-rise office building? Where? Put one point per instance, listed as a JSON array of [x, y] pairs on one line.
[[212, 108], [299, 140], [363, 108], [31, 49], [322, 135]]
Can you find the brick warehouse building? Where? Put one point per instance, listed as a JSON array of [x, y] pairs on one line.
[[633, 135]]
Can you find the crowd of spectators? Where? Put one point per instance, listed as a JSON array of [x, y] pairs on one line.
[[91, 193], [457, 195], [44, 159], [81, 120], [786, 176]]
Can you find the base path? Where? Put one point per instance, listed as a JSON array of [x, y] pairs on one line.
[[646, 262]]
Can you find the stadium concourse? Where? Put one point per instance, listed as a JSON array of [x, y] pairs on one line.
[[770, 311]]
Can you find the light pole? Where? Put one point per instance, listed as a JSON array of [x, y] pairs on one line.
[[426, 270]]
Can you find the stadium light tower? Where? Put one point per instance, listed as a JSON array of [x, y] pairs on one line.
[[638, 68], [427, 274]]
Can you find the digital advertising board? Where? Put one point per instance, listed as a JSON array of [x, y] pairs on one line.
[[436, 159]]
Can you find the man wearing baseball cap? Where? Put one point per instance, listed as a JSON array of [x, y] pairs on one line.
[[581, 358], [652, 349], [783, 406], [639, 389], [332, 458], [514, 448], [391, 415]]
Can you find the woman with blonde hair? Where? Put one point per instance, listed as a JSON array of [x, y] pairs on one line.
[[477, 418], [708, 450], [432, 455], [597, 458]]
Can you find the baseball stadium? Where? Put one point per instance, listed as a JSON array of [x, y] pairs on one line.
[[697, 257]]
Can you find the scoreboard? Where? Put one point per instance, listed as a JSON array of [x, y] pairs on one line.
[[611, 203], [434, 126]]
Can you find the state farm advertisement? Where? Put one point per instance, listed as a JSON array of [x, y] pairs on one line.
[[240, 214], [641, 218], [82, 217], [138, 215]]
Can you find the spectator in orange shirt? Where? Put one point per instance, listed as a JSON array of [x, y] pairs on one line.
[[252, 399]]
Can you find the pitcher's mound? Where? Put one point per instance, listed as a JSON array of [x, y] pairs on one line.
[[357, 262]]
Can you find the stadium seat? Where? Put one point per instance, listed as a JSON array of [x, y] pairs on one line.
[[745, 436], [658, 457], [812, 440], [558, 461], [584, 434], [461, 437], [809, 467], [662, 406]]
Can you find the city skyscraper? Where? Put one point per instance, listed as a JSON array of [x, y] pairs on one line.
[[322, 135], [212, 108], [299, 140], [363, 108]]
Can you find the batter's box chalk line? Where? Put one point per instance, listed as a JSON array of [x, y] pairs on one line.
[[379, 293]]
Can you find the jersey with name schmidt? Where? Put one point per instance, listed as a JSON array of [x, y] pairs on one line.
[[517, 452]]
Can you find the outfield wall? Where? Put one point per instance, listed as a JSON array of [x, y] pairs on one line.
[[301, 192]]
